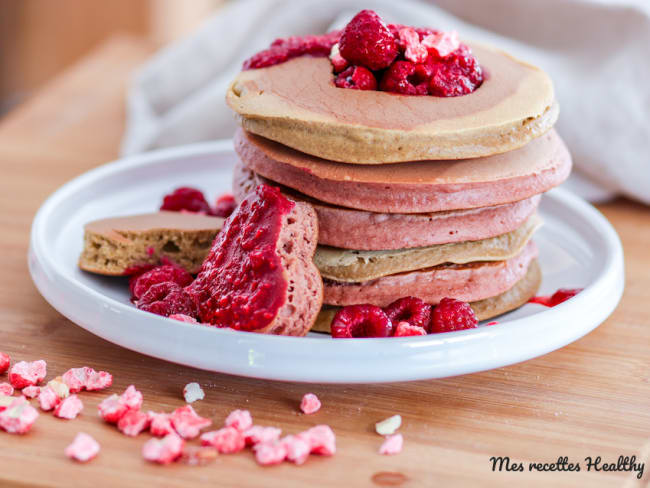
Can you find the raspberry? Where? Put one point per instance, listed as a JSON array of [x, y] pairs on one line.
[[187, 422], [282, 50], [48, 399], [227, 440], [270, 453], [167, 299], [31, 391], [451, 314], [163, 451], [5, 361], [240, 420], [297, 448], [193, 392], [389, 426], [186, 198], [366, 41], [361, 321], [198, 456], [69, 408], [160, 424], [457, 74], [357, 78], [133, 422], [442, 43], [258, 434], [184, 318], [140, 284], [405, 78], [321, 440], [310, 404], [83, 448], [18, 417], [338, 62], [25, 373], [404, 329], [225, 205], [392, 444], [411, 310], [7, 389], [414, 51]]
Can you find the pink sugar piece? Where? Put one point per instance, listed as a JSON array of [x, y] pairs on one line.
[[442, 43], [6, 389], [321, 439], [259, 434], [18, 417], [310, 404], [392, 444], [31, 391], [226, 440], [193, 392], [269, 453], [132, 398], [114, 407], [240, 420], [99, 380], [414, 51], [198, 456], [86, 378], [83, 448], [181, 317], [160, 425], [187, 422], [298, 448], [133, 422], [48, 398], [5, 362], [69, 408], [25, 373], [5, 401], [163, 451]]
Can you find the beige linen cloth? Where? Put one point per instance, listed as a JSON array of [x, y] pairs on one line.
[[596, 51]]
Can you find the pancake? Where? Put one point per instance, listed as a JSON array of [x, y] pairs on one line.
[[297, 104], [348, 228], [485, 309], [349, 266], [469, 282], [413, 187]]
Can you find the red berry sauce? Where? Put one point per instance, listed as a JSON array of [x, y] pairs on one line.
[[282, 50], [188, 199], [562, 295], [241, 284]]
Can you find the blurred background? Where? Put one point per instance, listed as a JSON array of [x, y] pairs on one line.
[[40, 38]]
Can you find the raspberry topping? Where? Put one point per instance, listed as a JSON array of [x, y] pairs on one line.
[[562, 295], [405, 78], [414, 50], [140, 284], [357, 78], [282, 50], [188, 199], [451, 314], [167, 299], [242, 283], [411, 310], [361, 321], [366, 41], [225, 205], [457, 74]]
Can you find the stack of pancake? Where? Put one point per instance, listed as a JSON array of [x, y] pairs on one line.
[[416, 195]]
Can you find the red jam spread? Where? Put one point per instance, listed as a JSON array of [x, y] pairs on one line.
[[562, 295], [371, 55], [241, 284]]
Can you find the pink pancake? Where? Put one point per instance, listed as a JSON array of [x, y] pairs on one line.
[[368, 231], [414, 187], [468, 282]]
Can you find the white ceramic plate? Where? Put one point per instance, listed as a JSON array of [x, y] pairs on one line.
[[578, 248]]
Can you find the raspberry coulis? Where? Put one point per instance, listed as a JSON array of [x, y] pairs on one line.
[[562, 295], [241, 283]]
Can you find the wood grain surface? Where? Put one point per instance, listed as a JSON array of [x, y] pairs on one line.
[[591, 398]]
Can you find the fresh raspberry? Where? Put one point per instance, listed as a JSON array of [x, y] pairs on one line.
[[31, 391], [310, 404], [457, 74], [451, 314], [5, 361], [240, 420], [411, 310], [83, 448], [357, 78], [366, 41], [404, 329], [227, 440], [225, 205], [160, 424], [168, 299], [25, 373], [392, 444], [140, 284], [18, 417], [282, 50], [193, 392], [188, 199], [69, 408], [163, 451], [133, 422], [405, 78], [361, 321], [297, 448], [187, 422], [257, 434], [414, 50], [270, 453], [339, 63], [442, 43], [7, 389]]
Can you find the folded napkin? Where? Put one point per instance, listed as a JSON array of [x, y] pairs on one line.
[[596, 51]]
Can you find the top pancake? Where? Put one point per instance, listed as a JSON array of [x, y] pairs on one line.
[[297, 104]]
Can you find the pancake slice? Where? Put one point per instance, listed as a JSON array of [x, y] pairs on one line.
[[357, 266]]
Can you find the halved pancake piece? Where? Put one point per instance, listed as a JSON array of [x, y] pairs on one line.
[[485, 309], [416, 186], [297, 104], [348, 228], [350, 266], [468, 282]]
